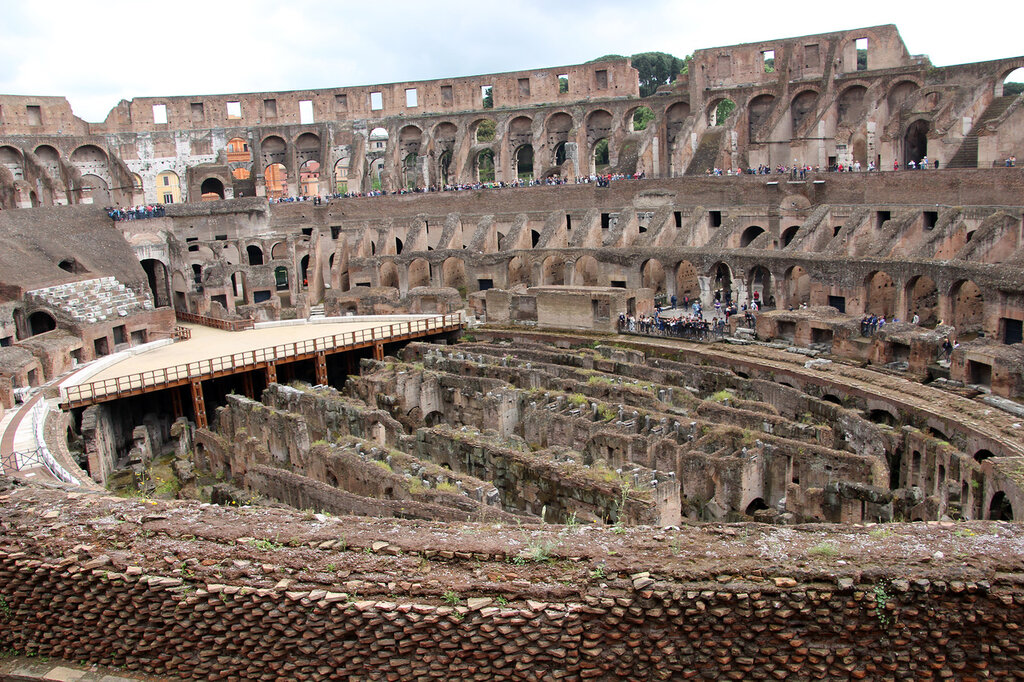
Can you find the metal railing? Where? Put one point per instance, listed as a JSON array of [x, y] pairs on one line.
[[95, 391], [216, 323]]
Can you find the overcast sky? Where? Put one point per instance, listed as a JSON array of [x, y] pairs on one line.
[[97, 53]]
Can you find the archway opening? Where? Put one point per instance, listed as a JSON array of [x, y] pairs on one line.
[[601, 157], [419, 273], [553, 271], [409, 171], [789, 234], [1000, 509], [756, 505], [587, 271], [652, 276], [41, 322], [309, 178], [560, 153], [719, 111], [485, 166], [723, 283], [275, 178], [881, 295], [453, 272], [968, 309], [983, 454], [444, 165], [798, 286], [211, 189], [518, 272], [524, 162], [255, 254], [687, 282], [750, 234], [923, 300], [915, 142], [156, 276], [641, 117], [304, 271], [388, 274], [1011, 84], [759, 284]]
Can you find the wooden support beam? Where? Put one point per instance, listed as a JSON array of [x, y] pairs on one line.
[[271, 373], [321, 368], [378, 351], [199, 404], [176, 407], [247, 386]]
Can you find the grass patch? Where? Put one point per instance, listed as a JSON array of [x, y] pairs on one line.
[[824, 550]]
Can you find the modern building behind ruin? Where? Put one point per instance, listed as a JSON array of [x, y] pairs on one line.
[[542, 417]]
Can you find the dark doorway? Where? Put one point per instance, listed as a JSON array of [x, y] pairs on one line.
[[915, 142], [40, 322]]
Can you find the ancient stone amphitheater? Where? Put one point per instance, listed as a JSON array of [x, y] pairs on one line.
[[373, 394]]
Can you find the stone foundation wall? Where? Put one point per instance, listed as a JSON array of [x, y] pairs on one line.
[[880, 627]]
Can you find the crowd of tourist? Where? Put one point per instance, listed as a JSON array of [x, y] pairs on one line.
[[117, 213], [690, 327], [801, 171]]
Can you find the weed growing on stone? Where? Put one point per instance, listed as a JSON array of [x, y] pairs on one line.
[[266, 545], [598, 573], [722, 396], [539, 552], [824, 550], [964, 533], [500, 600], [451, 598], [882, 597], [880, 533], [5, 609]]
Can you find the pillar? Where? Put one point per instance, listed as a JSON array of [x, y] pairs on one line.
[[321, 368]]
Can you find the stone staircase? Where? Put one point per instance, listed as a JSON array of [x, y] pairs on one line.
[[967, 155], [317, 312], [707, 151], [92, 300]]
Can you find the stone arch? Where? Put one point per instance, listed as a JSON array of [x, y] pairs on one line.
[[41, 322], [238, 285], [88, 154], [880, 294], [50, 158], [587, 271], [851, 105], [518, 272], [598, 126], [1000, 508], [453, 274], [552, 270], [797, 288], [410, 171], [759, 110], [639, 118], [304, 271], [1013, 75], [274, 150], [341, 169], [168, 187], [652, 275], [900, 93], [600, 158], [484, 166], [524, 162], [721, 279], [719, 110], [410, 138], [675, 116], [788, 235], [12, 159], [279, 251], [915, 141], [802, 106], [444, 167], [275, 178], [520, 132], [254, 254], [558, 128], [229, 252], [388, 274], [922, 297], [687, 281], [309, 178], [419, 273], [483, 130], [307, 150], [97, 188], [750, 234], [983, 454], [211, 188], [756, 505], [967, 304], [759, 284], [157, 278]]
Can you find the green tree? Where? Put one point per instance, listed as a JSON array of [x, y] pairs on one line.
[[488, 97], [725, 107], [1013, 88], [563, 84], [657, 69], [642, 117]]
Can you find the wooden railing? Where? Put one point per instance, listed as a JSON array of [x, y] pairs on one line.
[[216, 323], [142, 382]]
